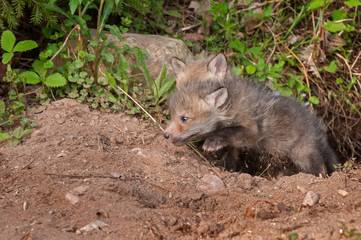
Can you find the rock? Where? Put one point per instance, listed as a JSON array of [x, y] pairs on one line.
[[116, 174], [73, 199], [25, 205], [97, 224], [169, 221], [160, 49], [210, 184], [343, 193], [302, 189], [245, 181], [79, 191], [311, 199]]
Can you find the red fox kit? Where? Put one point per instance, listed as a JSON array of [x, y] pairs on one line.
[[236, 113]]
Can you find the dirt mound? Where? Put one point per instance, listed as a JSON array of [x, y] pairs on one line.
[[109, 176]]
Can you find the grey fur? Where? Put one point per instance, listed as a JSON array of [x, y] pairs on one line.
[[251, 116]]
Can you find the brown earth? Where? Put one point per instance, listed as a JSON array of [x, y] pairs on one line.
[[80, 166]]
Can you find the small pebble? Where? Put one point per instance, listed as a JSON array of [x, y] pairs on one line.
[[311, 199], [25, 205], [73, 199], [302, 189], [210, 184], [51, 212], [343, 193], [79, 191]]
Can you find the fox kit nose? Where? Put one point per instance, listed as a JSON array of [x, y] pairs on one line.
[[166, 135]]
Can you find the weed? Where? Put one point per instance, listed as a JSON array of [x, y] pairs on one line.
[[11, 113], [349, 233]]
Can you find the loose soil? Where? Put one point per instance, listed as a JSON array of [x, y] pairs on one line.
[[80, 166]]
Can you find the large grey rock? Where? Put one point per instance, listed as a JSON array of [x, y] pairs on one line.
[[160, 50]]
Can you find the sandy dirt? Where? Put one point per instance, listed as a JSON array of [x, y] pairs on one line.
[[90, 175]]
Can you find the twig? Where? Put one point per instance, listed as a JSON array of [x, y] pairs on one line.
[[27, 165], [190, 27], [303, 67], [258, 6], [348, 66], [274, 48], [80, 176], [77, 27], [140, 106], [264, 170], [353, 64]]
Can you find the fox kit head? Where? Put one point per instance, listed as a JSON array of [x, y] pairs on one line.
[[196, 110], [214, 69]]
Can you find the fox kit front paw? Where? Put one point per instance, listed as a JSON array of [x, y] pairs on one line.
[[214, 143]]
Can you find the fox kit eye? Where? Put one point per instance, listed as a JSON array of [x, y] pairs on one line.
[[184, 119]]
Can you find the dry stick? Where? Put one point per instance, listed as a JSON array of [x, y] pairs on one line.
[[258, 6], [77, 27], [140, 106], [303, 67], [265, 170], [353, 64], [81, 176], [230, 7], [190, 27], [349, 68], [155, 121], [274, 48]]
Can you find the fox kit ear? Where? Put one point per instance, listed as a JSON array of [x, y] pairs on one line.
[[178, 66], [217, 98], [218, 66]]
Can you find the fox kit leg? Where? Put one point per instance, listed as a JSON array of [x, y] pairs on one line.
[[231, 136]]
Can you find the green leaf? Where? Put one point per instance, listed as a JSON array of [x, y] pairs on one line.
[[173, 13], [158, 82], [314, 100], [73, 4], [255, 51], [55, 80], [291, 82], [334, 26], [24, 133], [338, 15], [4, 136], [111, 98], [115, 31], [49, 64], [109, 57], [107, 10], [7, 41], [316, 4], [251, 69], [111, 79], [25, 46], [30, 77], [2, 107], [83, 26], [7, 57], [293, 236], [141, 61], [90, 57], [339, 81], [237, 45], [332, 68], [353, 3]]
